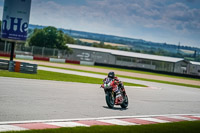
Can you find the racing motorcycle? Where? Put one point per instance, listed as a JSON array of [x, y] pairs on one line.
[[112, 98]]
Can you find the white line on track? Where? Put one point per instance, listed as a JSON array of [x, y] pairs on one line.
[[66, 124], [154, 120]]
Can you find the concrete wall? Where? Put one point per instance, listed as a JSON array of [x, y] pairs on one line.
[[24, 57], [57, 60]]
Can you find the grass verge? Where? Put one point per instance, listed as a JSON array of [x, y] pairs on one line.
[[178, 127], [149, 73], [46, 75], [161, 81], [122, 76]]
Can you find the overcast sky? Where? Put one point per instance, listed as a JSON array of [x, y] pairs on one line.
[[170, 21]]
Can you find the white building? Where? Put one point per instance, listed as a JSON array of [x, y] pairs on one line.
[[103, 56]]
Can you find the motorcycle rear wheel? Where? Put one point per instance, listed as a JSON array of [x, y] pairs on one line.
[[110, 100]]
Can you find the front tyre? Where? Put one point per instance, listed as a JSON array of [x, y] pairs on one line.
[[110, 99], [125, 103]]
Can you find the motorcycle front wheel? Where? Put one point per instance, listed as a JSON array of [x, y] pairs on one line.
[[110, 100]]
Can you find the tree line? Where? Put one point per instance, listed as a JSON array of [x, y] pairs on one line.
[[49, 37]]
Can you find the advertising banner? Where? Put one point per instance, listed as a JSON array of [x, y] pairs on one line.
[[15, 20]]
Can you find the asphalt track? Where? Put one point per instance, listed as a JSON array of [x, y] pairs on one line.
[[28, 99]]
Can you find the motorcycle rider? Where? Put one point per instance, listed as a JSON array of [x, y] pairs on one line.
[[116, 84]]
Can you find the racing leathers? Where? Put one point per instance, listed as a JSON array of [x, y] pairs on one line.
[[116, 84]]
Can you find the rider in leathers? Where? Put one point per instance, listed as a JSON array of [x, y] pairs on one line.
[[117, 84]]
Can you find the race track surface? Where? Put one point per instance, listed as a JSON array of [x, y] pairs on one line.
[[28, 99]]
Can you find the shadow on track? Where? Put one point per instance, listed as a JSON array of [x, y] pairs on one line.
[[115, 108]]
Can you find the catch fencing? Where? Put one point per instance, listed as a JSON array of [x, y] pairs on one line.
[[34, 51]]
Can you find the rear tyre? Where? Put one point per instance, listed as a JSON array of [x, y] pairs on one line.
[[125, 103], [110, 100]]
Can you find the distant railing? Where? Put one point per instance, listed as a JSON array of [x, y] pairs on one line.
[[35, 51]]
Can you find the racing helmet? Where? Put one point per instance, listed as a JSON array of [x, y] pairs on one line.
[[111, 75]]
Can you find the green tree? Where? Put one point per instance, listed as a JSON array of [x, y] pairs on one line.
[[50, 37]]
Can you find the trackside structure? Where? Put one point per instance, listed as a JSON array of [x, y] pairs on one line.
[[91, 55], [107, 57]]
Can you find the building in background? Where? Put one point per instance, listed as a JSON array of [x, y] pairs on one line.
[[101, 56]]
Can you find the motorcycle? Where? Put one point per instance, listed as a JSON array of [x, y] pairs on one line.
[[112, 98]]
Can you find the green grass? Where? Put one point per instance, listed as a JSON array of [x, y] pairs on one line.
[[149, 73], [122, 76], [178, 127], [46, 75], [161, 81]]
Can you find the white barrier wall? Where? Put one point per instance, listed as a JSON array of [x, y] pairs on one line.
[[57, 60], [28, 57], [87, 63]]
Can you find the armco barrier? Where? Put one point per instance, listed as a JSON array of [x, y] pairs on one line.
[[87, 63], [22, 67], [24, 57], [28, 68], [57, 60], [41, 58], [72, 61], [4, 64]]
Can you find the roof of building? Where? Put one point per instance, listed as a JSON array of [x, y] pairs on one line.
[[127, 54], [195, 63]]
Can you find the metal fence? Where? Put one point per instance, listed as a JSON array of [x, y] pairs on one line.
[[34, 51]]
